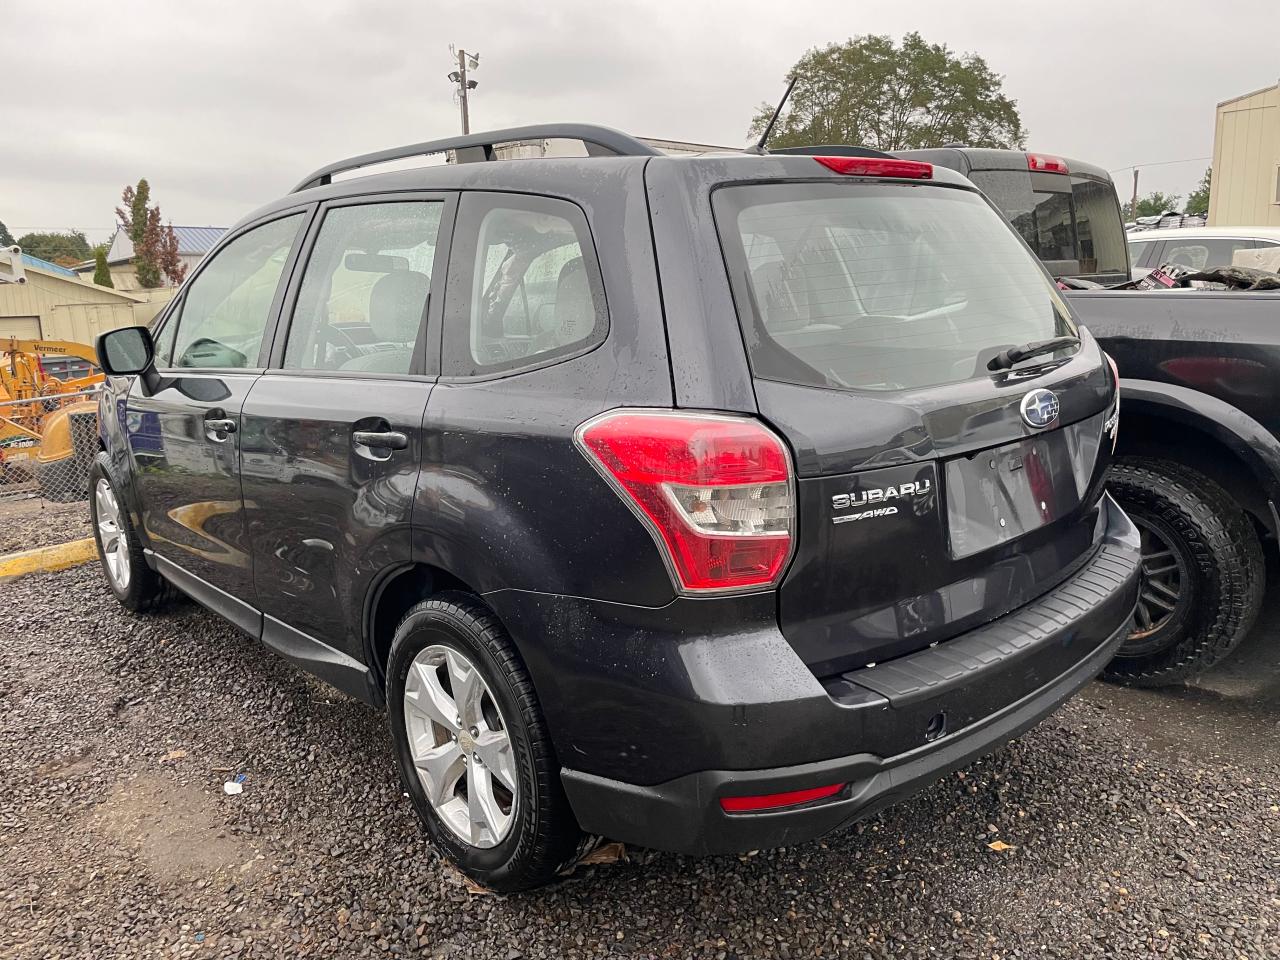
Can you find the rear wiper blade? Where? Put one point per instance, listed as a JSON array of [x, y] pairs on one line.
[[1007, 358]]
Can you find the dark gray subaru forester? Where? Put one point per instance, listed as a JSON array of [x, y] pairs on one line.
[[705, 503]]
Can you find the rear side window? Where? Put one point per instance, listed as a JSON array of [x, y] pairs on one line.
[[879, 287], [226, 308], [1201, 254], [524, 286], [364, 293], [1099, 229], [1078, 219]]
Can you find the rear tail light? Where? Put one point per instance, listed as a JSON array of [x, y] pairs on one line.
[[716, 492], [878, 167], [1111, 426], [772, 801], [1043, 163]]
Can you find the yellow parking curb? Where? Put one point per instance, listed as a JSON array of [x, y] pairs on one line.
[[46, 559]]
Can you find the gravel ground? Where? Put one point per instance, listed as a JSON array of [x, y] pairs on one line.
[[1130, 834], [34, 522]]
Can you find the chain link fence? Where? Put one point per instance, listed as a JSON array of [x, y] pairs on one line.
[[47, 444]]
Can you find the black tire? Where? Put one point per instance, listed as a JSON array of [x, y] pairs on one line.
[[544, 836], [1206, 550], [145, 591]]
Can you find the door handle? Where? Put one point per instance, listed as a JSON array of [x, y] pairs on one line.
[[218, 429], [380, 439]]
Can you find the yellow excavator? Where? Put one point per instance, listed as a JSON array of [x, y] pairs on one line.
[[48, 426]]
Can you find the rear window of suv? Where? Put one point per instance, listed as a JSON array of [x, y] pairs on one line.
[[880, 286]]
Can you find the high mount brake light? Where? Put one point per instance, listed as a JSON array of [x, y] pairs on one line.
[[716, 492], [878, 167], [1043, 163]]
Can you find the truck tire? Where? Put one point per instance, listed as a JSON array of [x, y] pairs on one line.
[[1203, 572]]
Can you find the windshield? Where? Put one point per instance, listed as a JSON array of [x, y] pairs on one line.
[[1061, 218], [880, 287]]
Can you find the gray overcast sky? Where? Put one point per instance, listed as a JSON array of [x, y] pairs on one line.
[[224, 106]]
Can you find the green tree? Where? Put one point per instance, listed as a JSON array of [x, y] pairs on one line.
[[101, 272], [871, 92], [1198, 201], [69, 247], [155, 246], [6, 238], [1156, 203]]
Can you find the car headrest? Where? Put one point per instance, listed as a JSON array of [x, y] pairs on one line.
[[575, 312], [396, 306]]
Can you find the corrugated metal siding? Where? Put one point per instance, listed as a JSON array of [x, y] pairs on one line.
[[68, 309], [29, 261], [1246, 161], [192, 241]]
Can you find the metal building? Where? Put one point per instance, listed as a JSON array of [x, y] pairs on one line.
[[1246, 161]]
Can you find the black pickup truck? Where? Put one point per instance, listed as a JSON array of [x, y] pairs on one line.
[[1198, 454], [1197, 466]]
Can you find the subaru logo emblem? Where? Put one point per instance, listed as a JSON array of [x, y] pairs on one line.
[[1040, 408]]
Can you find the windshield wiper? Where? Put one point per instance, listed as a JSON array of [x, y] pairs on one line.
[[1007, 358]]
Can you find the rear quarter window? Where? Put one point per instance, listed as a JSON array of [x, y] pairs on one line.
[[524, 286], [879, 287]]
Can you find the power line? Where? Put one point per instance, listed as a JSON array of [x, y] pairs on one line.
[[1159, 163]]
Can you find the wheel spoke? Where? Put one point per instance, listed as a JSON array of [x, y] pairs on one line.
[[440, 769], [424, 693], [482, 805], [1143, 615], [1164, 588], [494, 749], [467, 687], [1160, 602]]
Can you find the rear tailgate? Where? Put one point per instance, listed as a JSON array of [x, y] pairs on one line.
[[934, 494]]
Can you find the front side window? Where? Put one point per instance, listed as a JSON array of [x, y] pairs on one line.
[[880, 287], [527, 286], [364, 293], [1138, 252], [226, 308]]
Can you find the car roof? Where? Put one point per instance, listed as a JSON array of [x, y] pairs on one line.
[[1205, 233], [568, 177]]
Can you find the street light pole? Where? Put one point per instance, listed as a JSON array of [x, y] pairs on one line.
[[462, 91]]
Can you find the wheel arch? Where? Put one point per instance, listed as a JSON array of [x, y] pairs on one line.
[[1207, 435], [388, 600]]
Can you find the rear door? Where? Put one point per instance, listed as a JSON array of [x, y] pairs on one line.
[[934, 493], [331, 441], [185, 436]]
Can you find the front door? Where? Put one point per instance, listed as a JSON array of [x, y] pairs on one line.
[[185, 436], [331, 440]]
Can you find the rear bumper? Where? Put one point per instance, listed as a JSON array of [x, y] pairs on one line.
[[989, 685]]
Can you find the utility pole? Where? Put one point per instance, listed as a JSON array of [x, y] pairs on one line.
[[1133, 209], [459, 77]]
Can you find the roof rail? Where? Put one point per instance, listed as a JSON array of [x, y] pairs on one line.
[[599, 141]]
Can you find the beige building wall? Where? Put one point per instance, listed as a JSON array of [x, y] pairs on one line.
[[59, 308], [1246, 161]]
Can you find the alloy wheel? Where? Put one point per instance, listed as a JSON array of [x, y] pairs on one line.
[[460, 746], [1161, 595], [111, 535]]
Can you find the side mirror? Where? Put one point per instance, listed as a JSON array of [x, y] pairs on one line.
[[127, 352]]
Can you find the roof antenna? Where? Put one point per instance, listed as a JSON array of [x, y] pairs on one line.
[[758, 147]]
